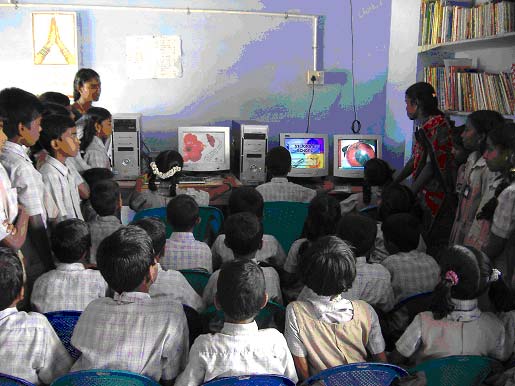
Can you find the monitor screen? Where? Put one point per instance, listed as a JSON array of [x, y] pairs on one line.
[[204, 148], [351, 152], [309, 153]]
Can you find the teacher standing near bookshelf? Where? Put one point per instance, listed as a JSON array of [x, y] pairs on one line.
[[431, 164]]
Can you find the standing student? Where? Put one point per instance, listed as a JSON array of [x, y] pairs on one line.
[[86, 90], [97, 129]]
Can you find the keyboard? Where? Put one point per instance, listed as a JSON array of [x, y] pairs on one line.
[[192, 180]]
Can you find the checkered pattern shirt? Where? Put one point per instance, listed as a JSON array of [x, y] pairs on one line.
[[69, 287], [30, 349], [239, 349], [182, 251], [503, 222], [133, 332], [271, 251], [412, 273], [292, 260], [508, 319], [8, 202], [78, 163], [100, 228], [280, 189], [174, 285], [96, 154]]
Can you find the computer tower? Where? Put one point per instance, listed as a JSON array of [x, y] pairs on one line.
[[249, 146], [126, 146]]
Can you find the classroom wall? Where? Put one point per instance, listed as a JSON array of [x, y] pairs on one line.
[[242, 67]]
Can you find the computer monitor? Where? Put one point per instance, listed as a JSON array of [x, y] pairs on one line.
[[309, 153], [352, 151], [204, 148]]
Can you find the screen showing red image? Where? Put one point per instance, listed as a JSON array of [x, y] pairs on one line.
[[203, 147], [354, 153]]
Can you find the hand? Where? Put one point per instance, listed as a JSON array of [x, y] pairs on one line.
[[11, 229], [21, 210], [52, 33], [58, 40]]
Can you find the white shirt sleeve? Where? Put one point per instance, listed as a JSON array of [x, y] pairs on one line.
[[194, 373], [292, 334], [410, 341]]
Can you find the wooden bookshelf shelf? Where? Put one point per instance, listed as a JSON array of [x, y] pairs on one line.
[[504, 40], [465, 113]]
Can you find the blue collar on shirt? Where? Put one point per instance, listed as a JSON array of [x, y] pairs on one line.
[[61, 168], [464, 311], [239, 329]]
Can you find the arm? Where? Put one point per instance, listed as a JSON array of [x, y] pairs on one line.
[[380, 357], [83, 191], [396, 358], [38, 235], [495, 246], [405, 172], [423, 178], [301, 364], [17, 238]]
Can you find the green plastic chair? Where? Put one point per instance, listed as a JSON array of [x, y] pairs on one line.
[[284, 220], [104, 378], [197, 278], [462, 370]]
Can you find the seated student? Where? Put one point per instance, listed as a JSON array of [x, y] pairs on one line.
[[373, 281], [71, 286], [97, 129], [92, 176], [244, 236], [455, 325], [503, 299], [182, 251], [248, 199], [169, 283], [412, 272], [326, 329], [278, 164], [106, 201], [59, 139], [131, 331], [30, 348], [240, 348]]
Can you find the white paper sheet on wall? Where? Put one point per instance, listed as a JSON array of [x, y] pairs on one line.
[[153, 57]]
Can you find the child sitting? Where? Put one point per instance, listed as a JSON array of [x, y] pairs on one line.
[[326, 329], [71, 286], [248, 199], [97, 129], [278, 164], [240, 348], [131, 331], [244, 236], [30, 348], [92, 176], [168, 283], [106, 201], [455, 325], [182, 251]]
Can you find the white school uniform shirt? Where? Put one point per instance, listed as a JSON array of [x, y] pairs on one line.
[[280, 189], [78, 163], [96, 154], [239, 349], [182, 251], [30, 348], [8, 203]]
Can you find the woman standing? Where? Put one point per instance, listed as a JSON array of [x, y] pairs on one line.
[[86, 90]]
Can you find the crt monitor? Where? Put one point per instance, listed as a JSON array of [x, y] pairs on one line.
[[309, 153], [204, 148], [352, 151]]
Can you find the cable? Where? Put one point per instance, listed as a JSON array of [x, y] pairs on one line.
[[356, 120], [313, 79]]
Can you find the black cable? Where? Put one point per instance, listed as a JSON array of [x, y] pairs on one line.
[[313, 79], [146, 147], [356, 120]]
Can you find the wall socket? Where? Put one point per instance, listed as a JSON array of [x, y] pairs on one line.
[[319, 75]]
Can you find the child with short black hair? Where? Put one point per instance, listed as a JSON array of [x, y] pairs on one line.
[[168, 283], [31, 350], [326, 329], [70, 286], [92, 176], [106, 201], [244, 236], [240, 348], [278, 164], [110, 331], [182, 251]]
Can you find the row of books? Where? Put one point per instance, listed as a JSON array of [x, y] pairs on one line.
[[468, 89], [444, 21]]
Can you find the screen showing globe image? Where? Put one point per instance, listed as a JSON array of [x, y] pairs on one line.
[[306, 153], [354, 153]]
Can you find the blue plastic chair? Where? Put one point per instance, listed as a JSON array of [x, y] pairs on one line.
[[358, 374], [285, 221], [197, 278], [63, 323], [462, 370], [252, 380], [104, 378], [9, 380]]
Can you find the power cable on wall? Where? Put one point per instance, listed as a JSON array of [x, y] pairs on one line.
[[356, 124]]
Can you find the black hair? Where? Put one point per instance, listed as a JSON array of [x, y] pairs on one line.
[[456, 132], [156, 229], [377, 172], [94, 175], [327, 266], [18, 106], [91, 118], [424, 95], [50, 108], [11, 277], [243, 233], [278, 161], [502, 296], [53, 127], [70, 240], [359, 231], [182, 213], [54, 97], [241, 289], [165, 161], [473, 270], [324, 212], [82, 76], [124, 258], [246, 199], [484, 121], [403, 230], [398, 198], [105, 197]]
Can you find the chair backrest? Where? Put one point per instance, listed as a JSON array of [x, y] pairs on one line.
[[252, 380], [358, 374], [197, 278], [285, 221], [463, 370], [415, 304], [9, 380], [194, 322], [63, 323], [159, 213], [104, 378]]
